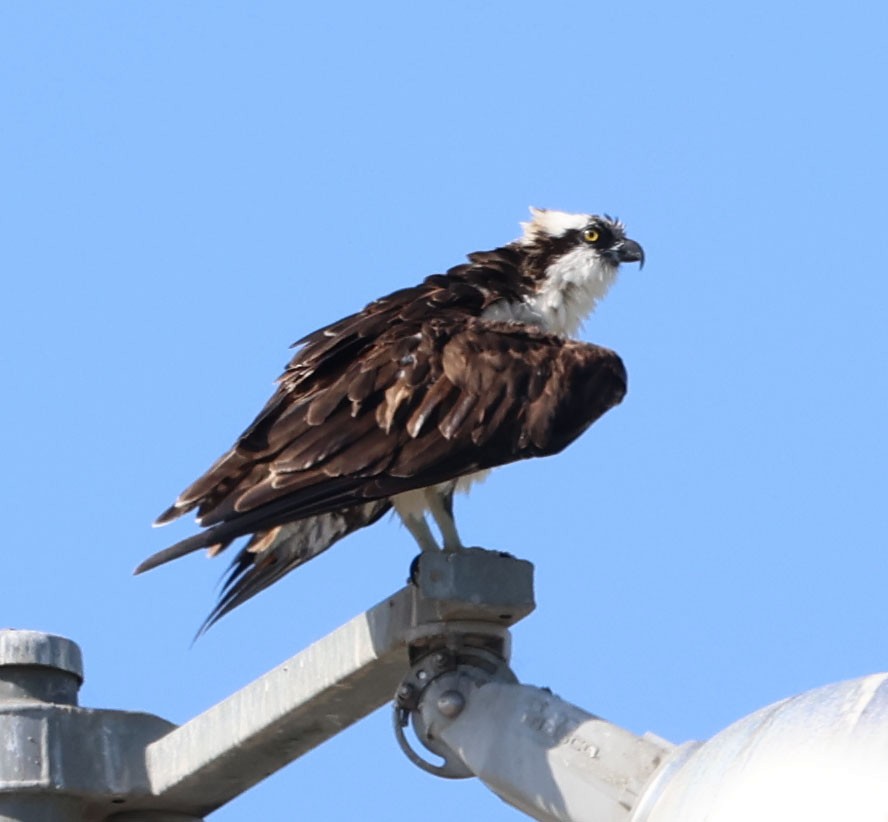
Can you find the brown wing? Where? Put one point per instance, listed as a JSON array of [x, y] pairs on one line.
[[351, 349], [420, 404]]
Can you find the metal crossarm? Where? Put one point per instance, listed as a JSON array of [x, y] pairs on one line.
[[440, 648], [139, 763]]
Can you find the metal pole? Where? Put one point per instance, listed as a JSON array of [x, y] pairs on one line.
[[35, 670], [547, 757], [541, 754]]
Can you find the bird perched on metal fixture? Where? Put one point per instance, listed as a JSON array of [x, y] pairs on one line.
[[414, 397]]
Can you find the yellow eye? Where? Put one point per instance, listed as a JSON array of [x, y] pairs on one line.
[[591, 235]]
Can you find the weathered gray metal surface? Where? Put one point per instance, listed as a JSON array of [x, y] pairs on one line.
[[818, 756], [39, 666], [33, 648], [474, 584], [547, 757], [285, 713], [330, 685], [40, 809], [60, 762]]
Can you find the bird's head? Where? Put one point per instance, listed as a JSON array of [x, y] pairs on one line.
[[571, 260]]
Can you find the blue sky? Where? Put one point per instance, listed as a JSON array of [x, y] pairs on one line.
[[189, 187]]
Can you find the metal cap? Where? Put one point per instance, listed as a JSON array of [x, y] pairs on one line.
[[38, 667], [29, 648]]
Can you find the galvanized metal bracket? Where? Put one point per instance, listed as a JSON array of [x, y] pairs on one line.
[[461, 652], [63, 762]]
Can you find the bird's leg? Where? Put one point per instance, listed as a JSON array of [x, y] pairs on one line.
[[441, 508], [421, 532], [410, 507]]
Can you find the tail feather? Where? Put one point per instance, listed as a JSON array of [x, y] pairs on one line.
[[271, 554], [180, 549], [173, 512]]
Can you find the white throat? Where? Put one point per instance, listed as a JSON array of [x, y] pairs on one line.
[[574, 284]]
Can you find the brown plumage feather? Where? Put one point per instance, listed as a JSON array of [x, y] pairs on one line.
[[529, 395], [415, 390]]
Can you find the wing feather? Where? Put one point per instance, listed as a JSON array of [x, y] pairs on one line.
[[437, 393], [413, 391], [501, 392], [453, 421]]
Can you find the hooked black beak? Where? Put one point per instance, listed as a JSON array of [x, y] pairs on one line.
[[630, 252]]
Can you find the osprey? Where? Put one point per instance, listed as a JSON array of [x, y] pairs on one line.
[[413, 398]]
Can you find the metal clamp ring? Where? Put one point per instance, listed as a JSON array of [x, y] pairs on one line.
[[451, 769]]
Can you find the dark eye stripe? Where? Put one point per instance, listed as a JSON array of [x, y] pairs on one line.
[[605, 238]]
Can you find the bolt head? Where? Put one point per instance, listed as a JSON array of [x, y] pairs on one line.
[[451, 703], [406, 695]]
